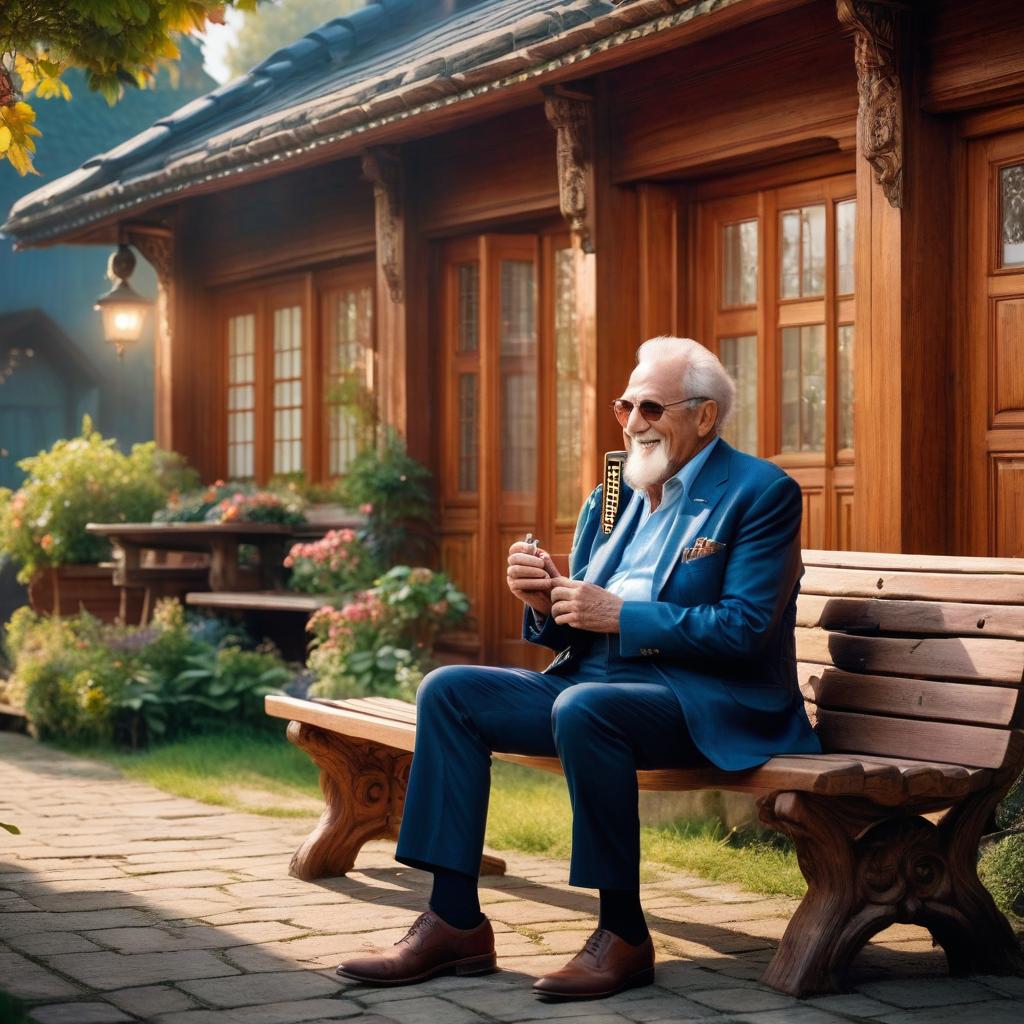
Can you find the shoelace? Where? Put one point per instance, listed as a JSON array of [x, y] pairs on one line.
[[594, 944], [422, 923]]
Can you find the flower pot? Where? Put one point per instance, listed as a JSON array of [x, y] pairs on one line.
[[69, 589]]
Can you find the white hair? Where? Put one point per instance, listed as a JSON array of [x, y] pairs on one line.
[[703, 374]]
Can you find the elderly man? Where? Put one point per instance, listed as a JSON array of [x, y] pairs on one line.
[[677, 650]]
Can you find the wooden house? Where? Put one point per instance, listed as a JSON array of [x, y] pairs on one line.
[[485, 205]]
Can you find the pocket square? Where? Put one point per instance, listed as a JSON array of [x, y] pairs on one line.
[[702, 547]]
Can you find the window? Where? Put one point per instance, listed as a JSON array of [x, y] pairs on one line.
[[781, 318], [282, 411]]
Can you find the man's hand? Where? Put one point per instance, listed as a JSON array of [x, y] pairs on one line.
[[530, 575], [585, 606]]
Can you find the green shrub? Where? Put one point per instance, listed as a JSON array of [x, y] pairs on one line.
[[338, 563], [232, 503], [82, 680], [392, 490], [381, 640], [1002, 871], [81, 480]]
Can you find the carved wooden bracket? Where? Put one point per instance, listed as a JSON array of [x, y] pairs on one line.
[[875, 27], [572, 119], [382, 166], [156, 243]]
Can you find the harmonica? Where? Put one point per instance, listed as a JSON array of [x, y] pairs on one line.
[[612, 493]]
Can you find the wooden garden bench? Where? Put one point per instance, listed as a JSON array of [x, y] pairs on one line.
[[912, 669]]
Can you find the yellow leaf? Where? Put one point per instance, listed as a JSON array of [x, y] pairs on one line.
[[20, 160], [24, 111], [5, 138]]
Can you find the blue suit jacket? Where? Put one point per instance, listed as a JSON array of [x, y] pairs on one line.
[[719, 630]]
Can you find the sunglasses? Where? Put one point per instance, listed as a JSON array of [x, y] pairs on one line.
[[651, 412]]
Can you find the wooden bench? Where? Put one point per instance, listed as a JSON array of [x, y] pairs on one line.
[[912, 669], [279, 615]]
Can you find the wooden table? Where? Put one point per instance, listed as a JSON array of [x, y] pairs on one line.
[[218, 540]]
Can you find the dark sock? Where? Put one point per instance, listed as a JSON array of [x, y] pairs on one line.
[[622, 914], [455, 899]]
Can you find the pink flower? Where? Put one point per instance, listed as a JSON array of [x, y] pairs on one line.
[[366, 508]]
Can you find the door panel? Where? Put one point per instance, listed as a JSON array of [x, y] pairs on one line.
[[990, 506]]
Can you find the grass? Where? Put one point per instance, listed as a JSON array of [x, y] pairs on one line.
[[529, 810]]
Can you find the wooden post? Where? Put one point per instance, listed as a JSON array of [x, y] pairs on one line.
[[905, 173], [382, 166]]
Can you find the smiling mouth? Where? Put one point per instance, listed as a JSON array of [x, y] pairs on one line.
[[647, 445]]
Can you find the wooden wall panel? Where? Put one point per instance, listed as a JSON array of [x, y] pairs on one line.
[[786, 90], [1008, 359], [973, 53], [459, 559], [496, 169], [812, 530], [322, 214], [1008, 505], [843, 533]]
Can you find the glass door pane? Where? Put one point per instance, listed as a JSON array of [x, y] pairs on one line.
[[739, 357], [348, 354], [287, 412], [569, 386], [241, 397], [517, 346]]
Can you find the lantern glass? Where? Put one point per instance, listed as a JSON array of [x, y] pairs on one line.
[[123, 312]]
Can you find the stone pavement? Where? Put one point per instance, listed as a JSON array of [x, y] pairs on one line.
[[121, 903]]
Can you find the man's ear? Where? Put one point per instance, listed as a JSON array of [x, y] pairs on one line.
[[707, 417]]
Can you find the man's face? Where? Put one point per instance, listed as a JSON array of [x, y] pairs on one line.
[[657, 451]]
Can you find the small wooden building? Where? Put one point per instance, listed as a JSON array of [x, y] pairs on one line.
[[484, 205]]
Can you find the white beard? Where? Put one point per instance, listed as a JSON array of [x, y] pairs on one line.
[[644, 469]]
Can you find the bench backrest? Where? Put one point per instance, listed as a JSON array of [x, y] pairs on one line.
[[914, 656]]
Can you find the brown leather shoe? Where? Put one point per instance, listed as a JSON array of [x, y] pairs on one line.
[[430, 947], [606, 965]]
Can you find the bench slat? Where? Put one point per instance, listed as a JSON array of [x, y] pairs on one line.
[[971, 588], [911, 698], [970, 745], [885, 780], [913, 563], [967, 658], [861, 614]]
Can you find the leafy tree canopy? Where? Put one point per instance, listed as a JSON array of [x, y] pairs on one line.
[[279, 22], [117, 44]]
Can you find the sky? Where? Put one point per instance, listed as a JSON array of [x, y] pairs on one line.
[[215, 41]]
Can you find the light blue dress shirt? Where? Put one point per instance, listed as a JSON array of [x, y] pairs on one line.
[[633, 578]]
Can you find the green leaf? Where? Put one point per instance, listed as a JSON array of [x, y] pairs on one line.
[[13, 829]]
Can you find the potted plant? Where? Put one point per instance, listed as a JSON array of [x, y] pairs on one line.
[[80, 480]]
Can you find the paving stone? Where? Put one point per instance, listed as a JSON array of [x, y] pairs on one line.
[[791, 1015], [79, 1013], [429, 1010], [25, 980], [995, 1012], [854, 1005], [117, 970], [72, 922], [937, 992], [48, 943], [252, 989], [661, 1006], [741, 1000], [159, 940], [150, 1000]]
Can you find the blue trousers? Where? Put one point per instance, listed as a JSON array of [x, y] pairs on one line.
[[602, 731]]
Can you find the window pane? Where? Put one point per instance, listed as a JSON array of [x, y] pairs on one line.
[[241, 396], [739, 270], [568, 390], [469, 307], [518, 348], [844, 428], [287, 391], [739, 357], [802, 252], [789, 255], [846, 216], [468, 432], [348, 356], [803, 388], [1012, 196]]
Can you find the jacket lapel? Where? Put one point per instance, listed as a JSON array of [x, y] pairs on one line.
[[694, 511]]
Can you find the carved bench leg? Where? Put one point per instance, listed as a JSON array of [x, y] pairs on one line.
[[364, 791], [866, 871]]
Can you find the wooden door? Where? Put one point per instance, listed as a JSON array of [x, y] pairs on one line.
[[517, 417], [990, 494], [775, 301]]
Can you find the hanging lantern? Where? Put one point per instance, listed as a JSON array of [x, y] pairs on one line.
[[122, 309]]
